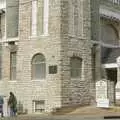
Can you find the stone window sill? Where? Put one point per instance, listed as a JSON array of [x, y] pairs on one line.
[[40, 36]]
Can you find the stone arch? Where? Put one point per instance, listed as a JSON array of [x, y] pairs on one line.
[[109, 34], [38, 67]]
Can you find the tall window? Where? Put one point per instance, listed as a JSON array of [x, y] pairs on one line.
[[9, 13], [76, 18], [40, 13], [2, 25], [76, 67], [12, 18], [40, 17], [2, 18], [34, 17], [13, 65], [38, 67]]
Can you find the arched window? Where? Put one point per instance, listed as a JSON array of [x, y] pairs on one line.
[[38, 67], [109, 34], [76, 67]]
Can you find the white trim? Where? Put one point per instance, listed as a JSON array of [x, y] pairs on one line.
[[110, 13], [46, 16], [2, 4], [104, 44], [110, 65], [40, 80], [34, 17], [40, 36], [12, 81]]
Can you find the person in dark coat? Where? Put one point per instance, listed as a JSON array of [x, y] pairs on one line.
[[1, 105], [12, 103]]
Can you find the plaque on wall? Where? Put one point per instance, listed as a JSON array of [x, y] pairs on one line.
[[53, 69]]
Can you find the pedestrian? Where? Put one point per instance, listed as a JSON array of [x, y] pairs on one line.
[[12, 103], [1, 105]]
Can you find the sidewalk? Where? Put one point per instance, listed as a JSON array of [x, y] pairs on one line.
[[72, 113], [90, 111], [95, 111]]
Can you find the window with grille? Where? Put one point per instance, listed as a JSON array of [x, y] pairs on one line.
[[76, 67], [13, 65], [39, 105], [53, 69], [38, 67]]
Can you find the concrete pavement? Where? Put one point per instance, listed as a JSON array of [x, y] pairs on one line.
[[79, 113], [59, 117]]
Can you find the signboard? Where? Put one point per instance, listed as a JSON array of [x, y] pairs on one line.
[[118, 61], [101, 94], [101, 90], [103, 103]]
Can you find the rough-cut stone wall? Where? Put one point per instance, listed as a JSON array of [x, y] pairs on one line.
[[69, 35], [48, 89], [75, 91], [24, 87], [57, 89]]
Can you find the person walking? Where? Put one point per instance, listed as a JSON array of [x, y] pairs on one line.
[[12, 103], [1, 105]]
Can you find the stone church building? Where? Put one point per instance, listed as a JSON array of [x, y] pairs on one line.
[[52, 52]]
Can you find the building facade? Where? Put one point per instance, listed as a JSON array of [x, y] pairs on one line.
[[52, 52]]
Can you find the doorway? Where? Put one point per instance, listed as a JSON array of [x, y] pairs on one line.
[[111, 74]]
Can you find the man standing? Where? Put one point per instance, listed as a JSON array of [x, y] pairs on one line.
[[12, 103], [1, 106]]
